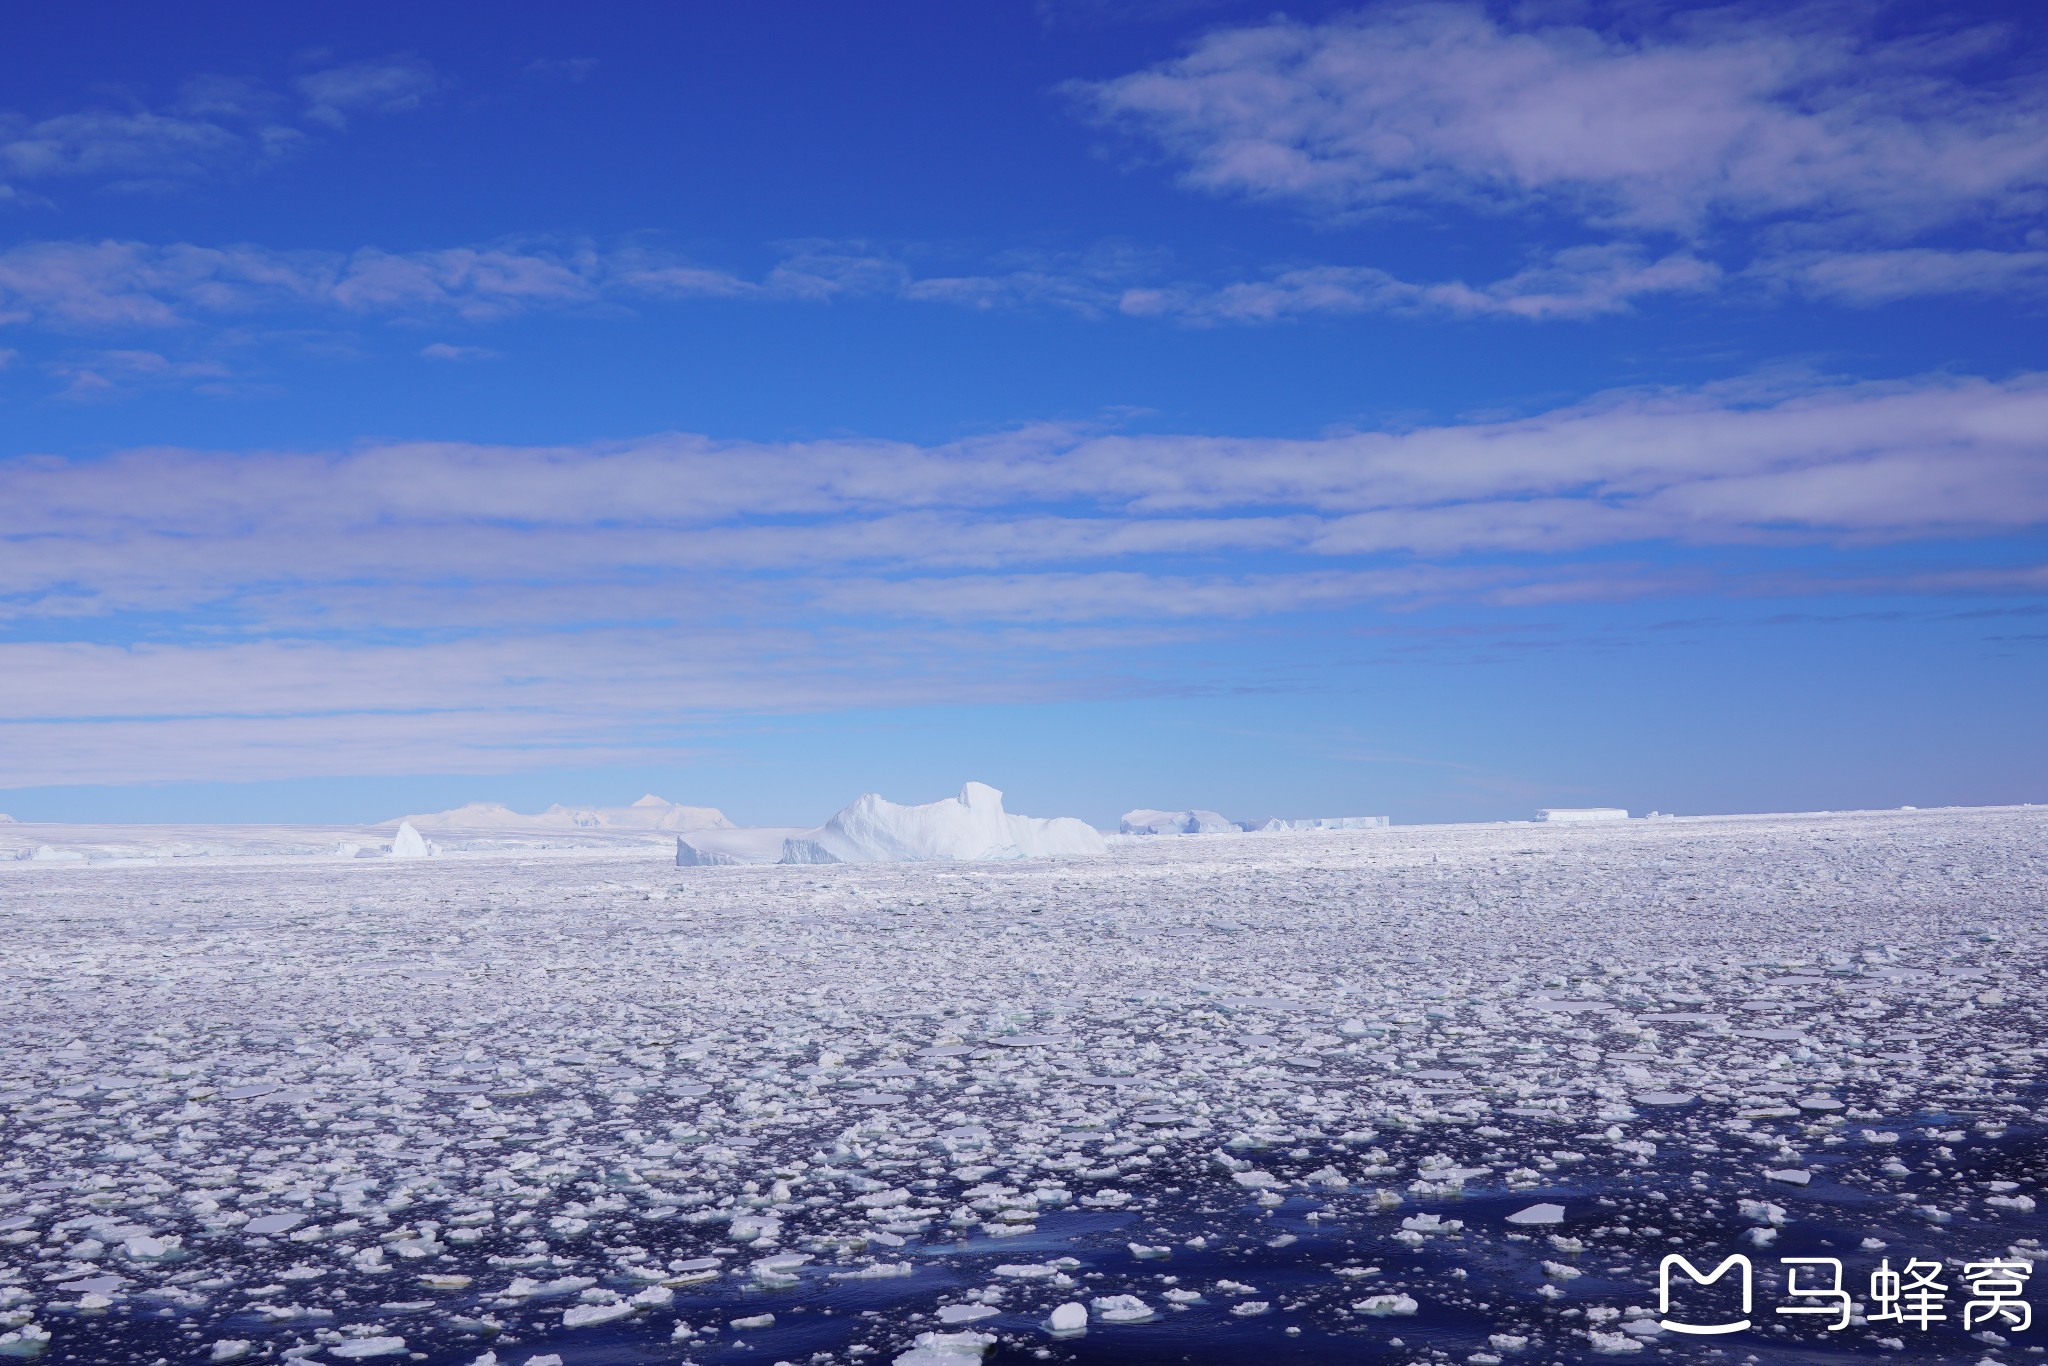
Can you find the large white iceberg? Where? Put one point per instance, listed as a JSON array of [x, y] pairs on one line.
[[970, 826]]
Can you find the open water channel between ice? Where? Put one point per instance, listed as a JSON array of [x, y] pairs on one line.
[[1426, 1094]]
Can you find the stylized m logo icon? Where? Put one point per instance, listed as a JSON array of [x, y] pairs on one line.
[[1697, 1277]]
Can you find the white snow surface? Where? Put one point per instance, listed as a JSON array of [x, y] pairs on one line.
[[970, 827]]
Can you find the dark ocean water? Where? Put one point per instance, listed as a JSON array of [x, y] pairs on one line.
[[1311, 1260]]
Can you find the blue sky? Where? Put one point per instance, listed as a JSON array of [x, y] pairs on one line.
[[1433, 410]]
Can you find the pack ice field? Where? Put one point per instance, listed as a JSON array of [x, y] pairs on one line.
[[1413, 1094]]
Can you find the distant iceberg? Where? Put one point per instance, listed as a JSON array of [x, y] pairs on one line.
[[735, 844], [1319, 823], [409, 843], [651, 813], [1145, 821], [970, 826], [1574, 814]]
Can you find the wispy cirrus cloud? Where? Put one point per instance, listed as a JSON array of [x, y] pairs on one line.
[[390, 85], [214, 125], [1805, 463], [1879, 277], [1578, 282], [165, 612], [1734, 114], [1795, 144]]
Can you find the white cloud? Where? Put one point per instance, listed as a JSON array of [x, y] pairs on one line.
[[107, 374], [388, 85], [1879, 277], [213, 125], [1733, 466], [1730, 115], [450, 352], [1579, 282], [455, 606]]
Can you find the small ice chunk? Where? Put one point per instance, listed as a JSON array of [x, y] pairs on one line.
[[589, 1315], [1069, 1318], [1791, 1176], [273, 1223], [1122, 1309], [946, 1349], [967, 1313], [1387, 1306], [1538, 1214], [359, 1349], [1028, 1271]]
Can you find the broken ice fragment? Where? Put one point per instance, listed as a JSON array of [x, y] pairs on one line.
[[1538, 1214], [589, 1315], [1122, 1309], [946, 1349], [966, 1313]]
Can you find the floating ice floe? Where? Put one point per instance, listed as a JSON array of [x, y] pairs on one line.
[[1545, 1213], [558, 1095], [946, 1349]]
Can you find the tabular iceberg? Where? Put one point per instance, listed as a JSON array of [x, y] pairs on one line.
[[1145, 821], [650, 813], [1581, 813], [970, 826]]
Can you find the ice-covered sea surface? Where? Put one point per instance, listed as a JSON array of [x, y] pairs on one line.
[[1426, 1094]]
